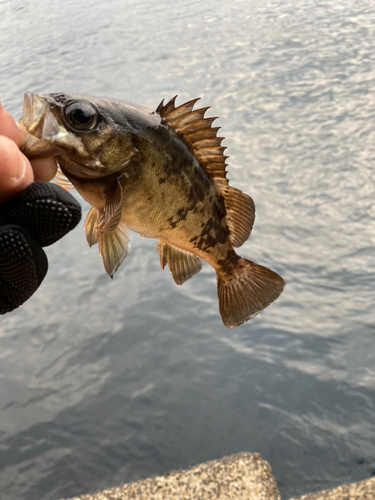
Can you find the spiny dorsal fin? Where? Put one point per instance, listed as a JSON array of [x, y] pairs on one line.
[[198, 134], [202, 139], [183, 265], [61, 180]]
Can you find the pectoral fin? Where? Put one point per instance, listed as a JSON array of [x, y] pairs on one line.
[[61, 180], [110, 216], [114, 246], [183, 265], [106, 228]]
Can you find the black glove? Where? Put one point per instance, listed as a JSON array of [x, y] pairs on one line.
[[37, 217]]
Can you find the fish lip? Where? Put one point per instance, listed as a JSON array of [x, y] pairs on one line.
[[34, 110], [41, 126]]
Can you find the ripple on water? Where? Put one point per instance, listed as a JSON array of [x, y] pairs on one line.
[[109, 381]]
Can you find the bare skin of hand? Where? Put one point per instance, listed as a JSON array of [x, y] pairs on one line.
[[16, 171]]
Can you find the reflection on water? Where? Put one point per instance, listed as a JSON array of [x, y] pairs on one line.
[[104, 382]]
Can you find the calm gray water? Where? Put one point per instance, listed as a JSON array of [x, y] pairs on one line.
[[102, 381]]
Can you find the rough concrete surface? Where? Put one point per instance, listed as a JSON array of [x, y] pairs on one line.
[[245, 476], [363, 490]]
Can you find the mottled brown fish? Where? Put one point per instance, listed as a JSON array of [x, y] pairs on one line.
[[162, 174]]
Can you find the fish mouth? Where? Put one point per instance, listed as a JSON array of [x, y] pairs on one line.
[[41, 125], [34, 109]]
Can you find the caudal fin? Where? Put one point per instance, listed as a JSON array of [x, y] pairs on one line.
[[248, 290]]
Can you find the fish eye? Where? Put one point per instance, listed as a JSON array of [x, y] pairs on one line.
[[81, 116]]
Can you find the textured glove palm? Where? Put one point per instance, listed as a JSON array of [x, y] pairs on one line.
[[39, 216]]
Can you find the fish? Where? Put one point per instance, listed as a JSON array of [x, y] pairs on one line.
[[161, 174]]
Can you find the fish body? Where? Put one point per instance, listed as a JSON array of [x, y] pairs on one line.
[[161, 174]]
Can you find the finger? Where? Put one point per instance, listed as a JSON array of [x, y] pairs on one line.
[[44, 168], [9, 127], [15, 169]]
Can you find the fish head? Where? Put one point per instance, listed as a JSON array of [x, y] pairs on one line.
[[90, 137]]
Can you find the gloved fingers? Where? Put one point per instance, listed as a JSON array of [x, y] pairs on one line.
[[45, 210], [36, 217], [23, 266]]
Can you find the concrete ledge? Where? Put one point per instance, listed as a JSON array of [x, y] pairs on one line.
[[245, 476], [364, 490]]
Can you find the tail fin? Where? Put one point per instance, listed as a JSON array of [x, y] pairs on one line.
[[249, 289]]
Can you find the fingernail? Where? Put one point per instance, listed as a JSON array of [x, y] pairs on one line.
[[16, 179]]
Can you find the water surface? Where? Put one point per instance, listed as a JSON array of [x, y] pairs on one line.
[[103, 382]]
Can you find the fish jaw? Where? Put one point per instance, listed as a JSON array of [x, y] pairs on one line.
[[34, 107], [40, 126]]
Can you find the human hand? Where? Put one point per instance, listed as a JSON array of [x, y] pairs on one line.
[[16, 172], [32, 215]]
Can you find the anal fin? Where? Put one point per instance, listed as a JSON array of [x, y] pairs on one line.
[[183, 265], [114, 246]]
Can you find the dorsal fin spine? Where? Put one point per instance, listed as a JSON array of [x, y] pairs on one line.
[[218, 159], [187, 118], [160, 107], [195, 136], [208, 143], [168, 107], [171, 113], [211, 151]]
